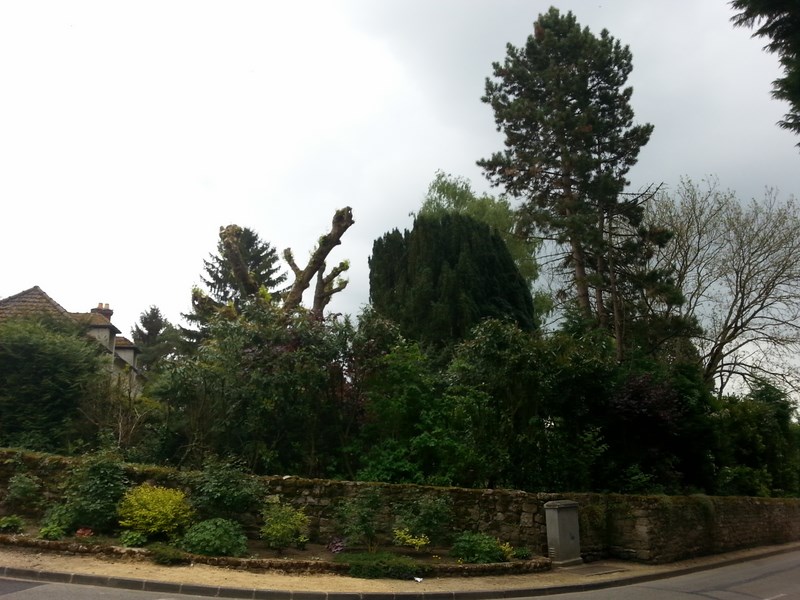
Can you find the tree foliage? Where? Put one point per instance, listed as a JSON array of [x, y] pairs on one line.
[[562, 105], [243, 264], [779, 22], [156, 337], [737, 266], [445, 275], [263, 387], [447, 378], [450, 194], [47, 369]]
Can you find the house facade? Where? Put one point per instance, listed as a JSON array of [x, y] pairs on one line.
[[121, 351]]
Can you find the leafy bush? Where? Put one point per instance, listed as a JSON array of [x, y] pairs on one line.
[[382, 565], [24, 492], [11, 524], [52, 532], [57, 522], [94, 489], [224, 488], [428, 516], [164, 554], [283, 526], [155, 511], [132, 539], [477, 548], [357, 519], [522, 553], [215, 537]]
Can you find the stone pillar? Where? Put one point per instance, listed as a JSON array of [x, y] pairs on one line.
[[563, 532]]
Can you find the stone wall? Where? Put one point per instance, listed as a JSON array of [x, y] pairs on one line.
[[513, 516], [643, 528]]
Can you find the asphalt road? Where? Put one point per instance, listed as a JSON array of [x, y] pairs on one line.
[[13, 589], [772, 578]]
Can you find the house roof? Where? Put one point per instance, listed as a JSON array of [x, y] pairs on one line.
[[93, 319], [34, 301], [30, 302], [122, 343]]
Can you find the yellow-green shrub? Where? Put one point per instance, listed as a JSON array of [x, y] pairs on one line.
[[155, 511], [403, 537], [283, 526]]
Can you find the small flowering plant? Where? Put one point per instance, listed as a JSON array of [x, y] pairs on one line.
[[84, 532]]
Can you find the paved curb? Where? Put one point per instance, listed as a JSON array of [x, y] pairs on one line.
[[146, 585]]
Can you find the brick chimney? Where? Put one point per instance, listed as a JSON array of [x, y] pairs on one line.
[[104, 310]]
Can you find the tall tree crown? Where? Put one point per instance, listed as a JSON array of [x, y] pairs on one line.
[[444, 276], [562, 104], [260, 259]]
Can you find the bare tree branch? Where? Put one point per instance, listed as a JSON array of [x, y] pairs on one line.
[[738, 269]]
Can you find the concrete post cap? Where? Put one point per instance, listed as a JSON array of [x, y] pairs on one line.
[[558, 504]]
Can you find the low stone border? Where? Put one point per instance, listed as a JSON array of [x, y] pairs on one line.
[[534, 565]]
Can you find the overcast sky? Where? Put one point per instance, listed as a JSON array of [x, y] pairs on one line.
[[131, 131]]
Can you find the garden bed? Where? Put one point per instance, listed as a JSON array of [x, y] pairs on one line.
[[315, 559]]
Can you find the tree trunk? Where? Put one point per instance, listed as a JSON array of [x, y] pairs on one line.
[[342, 220]]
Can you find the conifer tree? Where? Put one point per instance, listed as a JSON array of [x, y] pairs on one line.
[[451, 194], [243, 265], [260, 259], [444, 276], [778, 21], [155, 336], [563, 107]]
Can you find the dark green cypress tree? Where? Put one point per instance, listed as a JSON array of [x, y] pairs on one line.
[[444, 276]]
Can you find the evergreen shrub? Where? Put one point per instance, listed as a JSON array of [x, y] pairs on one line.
[[94, 489], [24, 492], [132, 539], [164, 554], [215, 537], [224, 488], [382, 565], [471, 547]]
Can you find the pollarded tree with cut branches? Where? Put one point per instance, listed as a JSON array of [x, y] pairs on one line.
[[327, 284], [737, 265]]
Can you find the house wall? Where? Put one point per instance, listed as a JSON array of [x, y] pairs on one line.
[[128, 355], [103, 335]]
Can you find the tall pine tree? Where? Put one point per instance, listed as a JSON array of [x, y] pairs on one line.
[[563, 107]]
